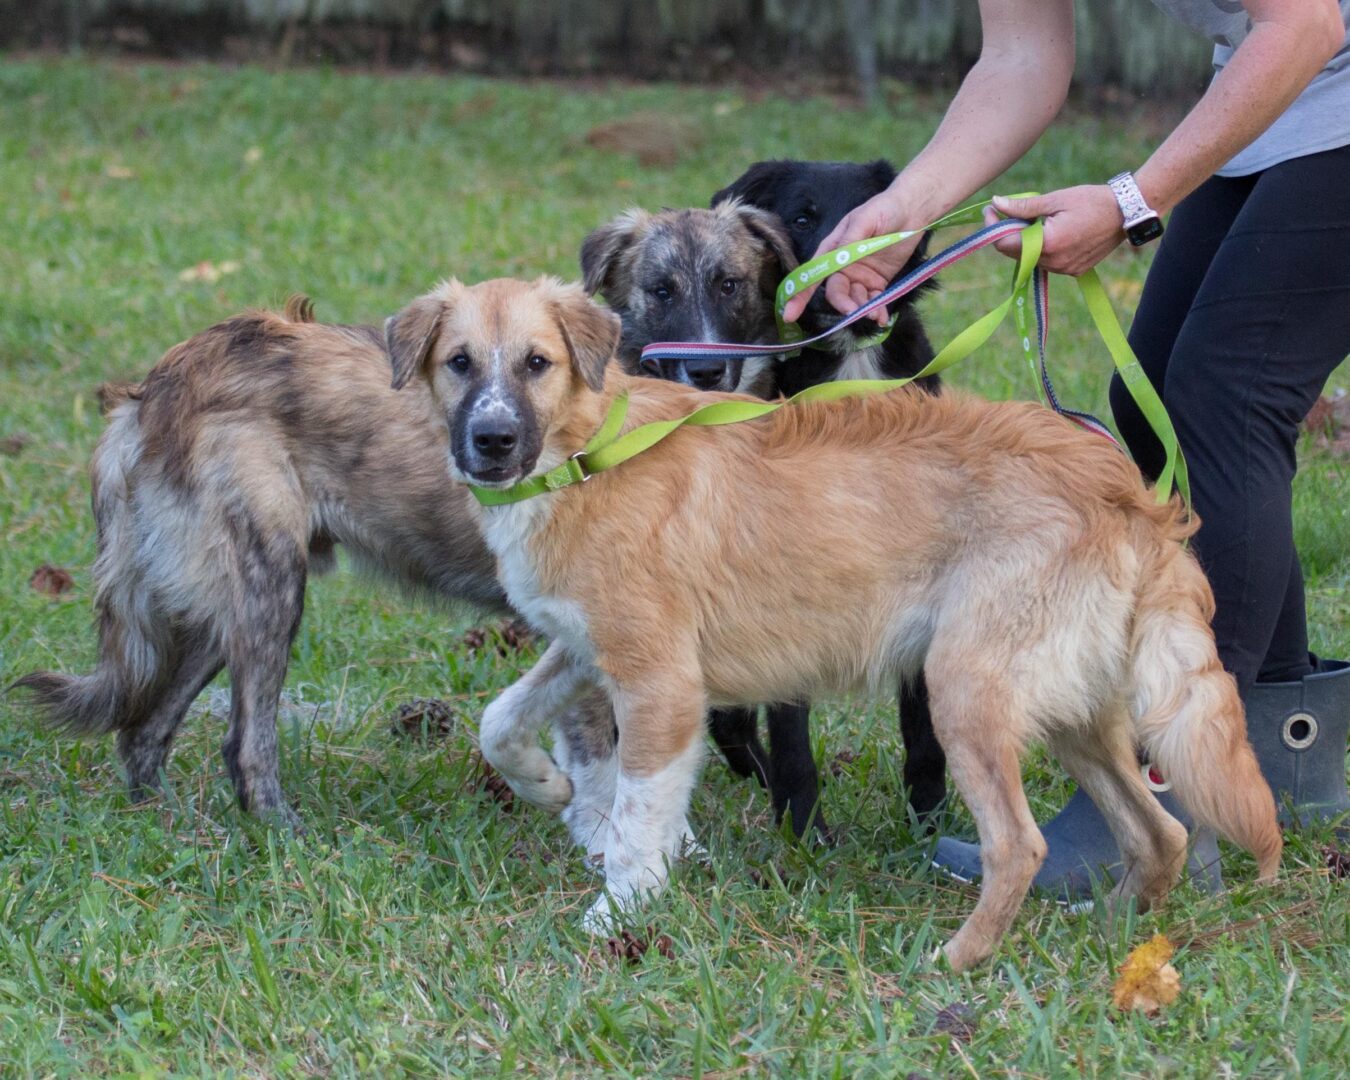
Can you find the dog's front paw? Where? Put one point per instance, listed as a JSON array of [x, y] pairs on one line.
[[552, 791]]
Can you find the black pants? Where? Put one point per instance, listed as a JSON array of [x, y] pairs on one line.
[[1245, 314]]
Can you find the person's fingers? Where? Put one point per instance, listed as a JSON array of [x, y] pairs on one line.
[[1009, 245], [837, 292], [792, 310], [1037, 206]]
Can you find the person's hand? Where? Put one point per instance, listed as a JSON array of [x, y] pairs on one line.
[[1082, 226], [848, 289]]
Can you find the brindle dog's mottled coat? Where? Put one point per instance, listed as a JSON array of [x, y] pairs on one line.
[[220, 483]]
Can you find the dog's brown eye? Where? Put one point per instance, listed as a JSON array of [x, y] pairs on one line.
[[801, 221], [459, 362], [729, 286], [662, 293], [538, 363]]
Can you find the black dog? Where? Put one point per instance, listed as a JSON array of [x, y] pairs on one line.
[[811, 198]]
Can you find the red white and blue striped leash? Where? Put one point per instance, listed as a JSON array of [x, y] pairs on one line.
[[694, 350]]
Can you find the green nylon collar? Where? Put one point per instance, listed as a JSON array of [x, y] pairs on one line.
[[607, 448]]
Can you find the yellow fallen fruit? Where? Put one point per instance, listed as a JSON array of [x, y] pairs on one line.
[[1147, 981]]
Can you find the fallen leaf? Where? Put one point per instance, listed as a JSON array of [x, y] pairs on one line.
[[253, 155], [118, 172], [423, 718], [1321, 418], [1338, 861], [208, 271], [12, 445], [957, 1020], [1147, 981], [842, 760], [508, 636], [51, 580], [632, 948]]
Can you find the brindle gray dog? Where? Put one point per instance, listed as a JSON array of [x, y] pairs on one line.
[[693, 275], [220, 483]]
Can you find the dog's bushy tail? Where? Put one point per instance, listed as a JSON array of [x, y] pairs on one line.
[[131, 652], [1187, 713]]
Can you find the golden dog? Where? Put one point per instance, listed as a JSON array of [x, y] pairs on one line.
[[1018, 562]]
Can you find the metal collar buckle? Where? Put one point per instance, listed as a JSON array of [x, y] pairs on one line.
[[586, 474]]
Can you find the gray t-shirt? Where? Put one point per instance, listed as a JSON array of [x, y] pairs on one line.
[[1319, 118]]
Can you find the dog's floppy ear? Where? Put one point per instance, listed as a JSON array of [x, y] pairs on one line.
[[754, 185], [409, 335], [881, 172], [601, 250], [768, 230], [590, 331]]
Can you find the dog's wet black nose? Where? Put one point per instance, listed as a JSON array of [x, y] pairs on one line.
[[494, 441], [705, 374]]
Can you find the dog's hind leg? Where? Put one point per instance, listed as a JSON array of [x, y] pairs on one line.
[[736, 733], [925, 763], [144, 745], [976, 716], [794, 782], [1152, 843], [268, 588], [508, 734]]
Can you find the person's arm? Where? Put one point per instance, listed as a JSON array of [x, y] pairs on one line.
[[1004, 103], [1290, 41]]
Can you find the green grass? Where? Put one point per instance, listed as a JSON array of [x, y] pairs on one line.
[[417, 927]]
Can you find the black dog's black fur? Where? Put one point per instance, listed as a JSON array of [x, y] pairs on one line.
[[811, 198]]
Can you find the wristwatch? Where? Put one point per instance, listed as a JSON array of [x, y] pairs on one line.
[[1142, 223]]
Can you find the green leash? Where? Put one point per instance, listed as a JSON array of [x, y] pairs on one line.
[[607, 448]]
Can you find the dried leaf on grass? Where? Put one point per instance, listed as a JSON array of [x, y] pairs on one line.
[[51, 580], [508, 636], [655, 139], [1338, 861], [423, 717], [632, 947], [114, 171], [1147, 980], [208, 271], [957, 1020], [841, 761], [1328, 422], [12, 445]]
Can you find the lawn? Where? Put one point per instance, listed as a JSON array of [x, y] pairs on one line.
[[420, 925]]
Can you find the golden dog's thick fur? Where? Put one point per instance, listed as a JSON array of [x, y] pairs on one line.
[[1019, 562]]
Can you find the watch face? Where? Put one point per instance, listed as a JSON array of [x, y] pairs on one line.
[[1141, 233]]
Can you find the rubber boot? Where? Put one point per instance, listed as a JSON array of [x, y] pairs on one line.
[[1082, 851], [1299, 731]]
